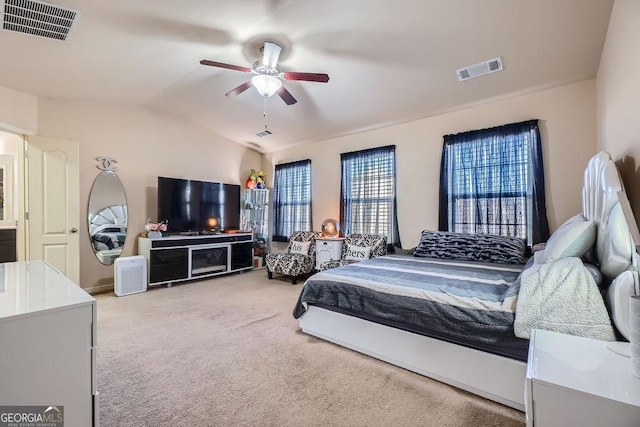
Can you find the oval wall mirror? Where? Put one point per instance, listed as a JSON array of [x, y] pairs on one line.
[[107, 217]]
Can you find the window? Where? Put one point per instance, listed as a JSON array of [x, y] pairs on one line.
[[291, 199], [492, 182], [368, 193]]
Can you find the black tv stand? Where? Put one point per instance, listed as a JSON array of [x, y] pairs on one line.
[[180, 258]]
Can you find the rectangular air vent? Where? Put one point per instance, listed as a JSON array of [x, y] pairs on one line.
[[38, 18], [265, 132], [477, 70]]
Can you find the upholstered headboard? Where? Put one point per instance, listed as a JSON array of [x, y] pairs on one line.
[[603, 199], [108, 218], [600, 203]]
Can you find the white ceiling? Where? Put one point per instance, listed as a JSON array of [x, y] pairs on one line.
[[389, 61]]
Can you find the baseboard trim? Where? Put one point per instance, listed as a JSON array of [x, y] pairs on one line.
[[99, 289]]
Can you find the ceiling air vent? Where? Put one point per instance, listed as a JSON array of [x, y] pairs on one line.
[[265, 132], [38, 18], [477, 70]]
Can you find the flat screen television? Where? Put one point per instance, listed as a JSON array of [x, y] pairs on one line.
[[189, 205]]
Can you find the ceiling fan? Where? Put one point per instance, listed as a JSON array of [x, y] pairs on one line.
[[267, 78]]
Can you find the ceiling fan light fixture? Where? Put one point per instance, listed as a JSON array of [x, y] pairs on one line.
[[266, 85]]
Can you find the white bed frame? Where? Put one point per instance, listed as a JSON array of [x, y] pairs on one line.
[[488, 375], [462, 367]]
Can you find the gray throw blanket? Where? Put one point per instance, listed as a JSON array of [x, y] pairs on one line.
[[561, 296]]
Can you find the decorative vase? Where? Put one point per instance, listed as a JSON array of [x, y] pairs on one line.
[[154, 234], [251, 184]]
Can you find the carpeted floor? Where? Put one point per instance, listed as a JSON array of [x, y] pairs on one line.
[[227, 352]]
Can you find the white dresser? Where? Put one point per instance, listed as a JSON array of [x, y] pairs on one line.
[[47, 342], [328, 249], [574, 381]]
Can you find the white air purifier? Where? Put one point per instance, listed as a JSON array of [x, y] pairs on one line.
[[130, 275]]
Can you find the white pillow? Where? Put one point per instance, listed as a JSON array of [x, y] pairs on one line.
[[573, 239], [301, 248], [357, 253]]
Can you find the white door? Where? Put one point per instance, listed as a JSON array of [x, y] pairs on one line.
[[53, 204]]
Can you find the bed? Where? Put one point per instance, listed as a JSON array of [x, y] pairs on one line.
[[108, 232], [386, 308]]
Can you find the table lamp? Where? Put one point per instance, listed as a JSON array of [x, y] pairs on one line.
[[330, 228]]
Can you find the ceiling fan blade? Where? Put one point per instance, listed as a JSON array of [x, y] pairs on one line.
[[286, 96], [309, 77], [270, 54], [223, 65], [237, 91]]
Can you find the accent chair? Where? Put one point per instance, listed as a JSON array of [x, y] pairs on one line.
[[293, 263]]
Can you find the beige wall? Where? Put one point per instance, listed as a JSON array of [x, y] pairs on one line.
[[18, 112], [147, 144], [618, 95], [567, 124]]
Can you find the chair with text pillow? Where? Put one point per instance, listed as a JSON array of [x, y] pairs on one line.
[[299, 259], [358, 247]]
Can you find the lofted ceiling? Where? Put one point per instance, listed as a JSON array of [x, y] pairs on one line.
[[389, 61]]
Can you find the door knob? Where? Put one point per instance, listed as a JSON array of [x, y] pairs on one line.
[[74, 230]]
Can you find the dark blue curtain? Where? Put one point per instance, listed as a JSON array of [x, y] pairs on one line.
[[492, 182], [368, 193], [291, 199]]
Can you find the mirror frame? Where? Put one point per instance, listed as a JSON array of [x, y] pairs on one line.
[[108, 215]]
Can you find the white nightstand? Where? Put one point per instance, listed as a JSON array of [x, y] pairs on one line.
[[328, 249], [574, 381]]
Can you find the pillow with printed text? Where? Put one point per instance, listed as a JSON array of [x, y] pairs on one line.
[[300, 248], [357, 253]]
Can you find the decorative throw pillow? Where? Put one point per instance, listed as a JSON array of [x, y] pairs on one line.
[[572, 239], [357, 253], [471, 247], [300, 248]]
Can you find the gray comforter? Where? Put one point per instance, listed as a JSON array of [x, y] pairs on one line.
[[468, 303]]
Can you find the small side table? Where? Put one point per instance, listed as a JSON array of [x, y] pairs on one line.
[[575, 381], [328, 249], [260, 251]]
